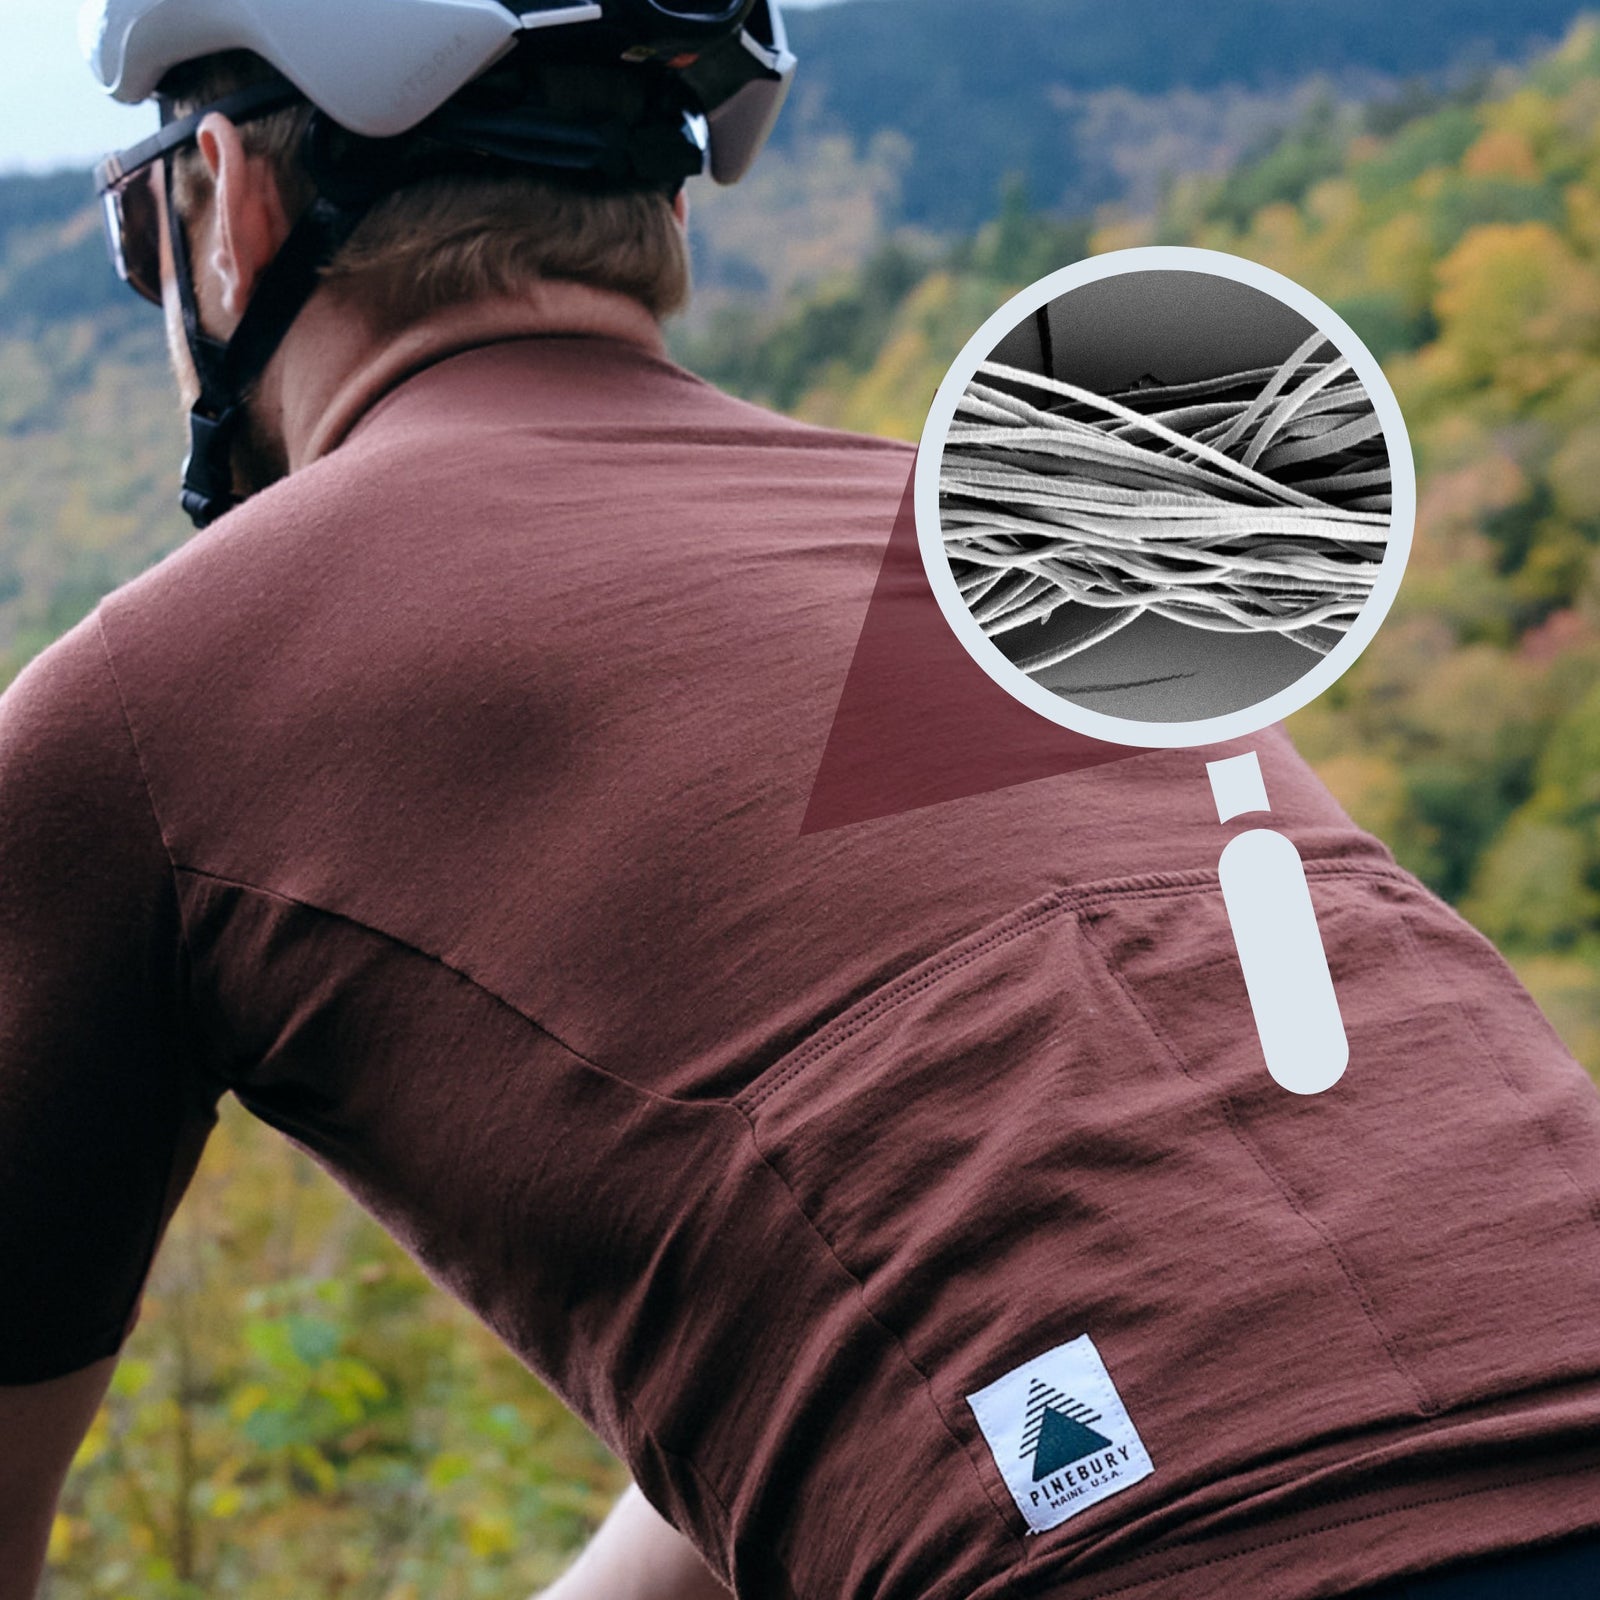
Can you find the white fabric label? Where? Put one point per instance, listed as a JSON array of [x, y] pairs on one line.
[[1060, 1434]]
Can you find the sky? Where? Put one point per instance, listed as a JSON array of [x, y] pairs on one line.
[[52, 112]]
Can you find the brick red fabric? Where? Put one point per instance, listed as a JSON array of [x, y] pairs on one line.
[[445, 804]]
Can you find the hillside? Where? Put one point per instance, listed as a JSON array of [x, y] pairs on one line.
[[86, 435], [1065, 93]]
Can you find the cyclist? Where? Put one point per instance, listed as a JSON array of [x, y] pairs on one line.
[[905, 1203]]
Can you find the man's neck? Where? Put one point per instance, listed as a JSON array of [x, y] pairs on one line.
[[334, 366]]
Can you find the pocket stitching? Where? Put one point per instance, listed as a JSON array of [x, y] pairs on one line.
[[1425, 1403], [1010, 925], [896, 993], [1004, 1510]]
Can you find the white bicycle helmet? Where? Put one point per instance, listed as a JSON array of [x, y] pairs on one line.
[[379, 67], [712, 76]]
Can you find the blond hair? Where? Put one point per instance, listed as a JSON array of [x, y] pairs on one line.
[[448, 238]]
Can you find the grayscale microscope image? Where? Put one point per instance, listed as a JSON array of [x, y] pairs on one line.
[[1165, 495]]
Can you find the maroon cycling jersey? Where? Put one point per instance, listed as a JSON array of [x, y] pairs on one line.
[[907, 1203]]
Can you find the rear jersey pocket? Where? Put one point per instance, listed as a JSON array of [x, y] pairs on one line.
[[1062, 1126]]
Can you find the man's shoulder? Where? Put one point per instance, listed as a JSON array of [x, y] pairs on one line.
[[803, 431], [69, 766], [67, 686], [463, 451], [594, 390]]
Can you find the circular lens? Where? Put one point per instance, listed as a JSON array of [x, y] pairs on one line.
[[1164, 497]]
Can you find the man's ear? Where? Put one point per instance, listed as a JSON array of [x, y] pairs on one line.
[[680, 207], [249, 222]]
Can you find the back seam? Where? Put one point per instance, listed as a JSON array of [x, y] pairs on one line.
[[429, 956], [1426, 1404], [1000, 1510]]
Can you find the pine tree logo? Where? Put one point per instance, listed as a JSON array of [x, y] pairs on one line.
[[1059, 1433], [1056, 1430]]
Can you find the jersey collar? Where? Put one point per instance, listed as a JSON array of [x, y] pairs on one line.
[[320, 408]]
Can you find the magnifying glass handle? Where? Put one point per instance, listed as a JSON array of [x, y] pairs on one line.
[[1280, 946]]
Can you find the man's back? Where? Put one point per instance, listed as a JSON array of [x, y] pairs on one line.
[[461, 779]]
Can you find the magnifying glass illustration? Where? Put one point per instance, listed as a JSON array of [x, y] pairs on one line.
[[1165, 497]]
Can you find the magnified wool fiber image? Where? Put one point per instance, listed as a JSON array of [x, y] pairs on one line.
[[1164, 544]]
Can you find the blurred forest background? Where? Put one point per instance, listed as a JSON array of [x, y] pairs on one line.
[[299, 1412]]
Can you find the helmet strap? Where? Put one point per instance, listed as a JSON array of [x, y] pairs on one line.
[[228, 371]]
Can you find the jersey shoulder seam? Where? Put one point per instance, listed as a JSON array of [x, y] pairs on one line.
[[144, 779], [233, 882]]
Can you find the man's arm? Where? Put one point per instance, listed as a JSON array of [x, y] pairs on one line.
[[635, 1554], [41, 1427], [101, 1116]]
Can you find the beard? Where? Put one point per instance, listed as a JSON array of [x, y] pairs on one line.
[[259, 455], [179, 360]]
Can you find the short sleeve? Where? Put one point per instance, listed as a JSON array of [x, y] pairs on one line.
[[101, 1119]]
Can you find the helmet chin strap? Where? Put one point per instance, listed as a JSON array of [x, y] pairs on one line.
[[228, 370]]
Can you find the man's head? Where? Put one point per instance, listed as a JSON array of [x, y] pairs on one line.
[[469, 232], [461, 230], [403, 156]]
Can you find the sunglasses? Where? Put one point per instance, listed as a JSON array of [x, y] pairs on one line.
[[125, 183]]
